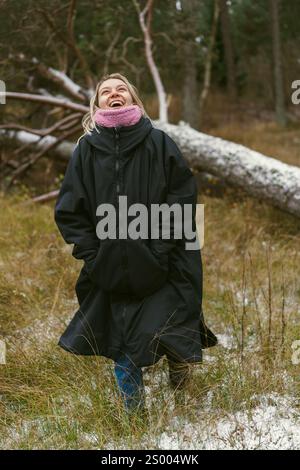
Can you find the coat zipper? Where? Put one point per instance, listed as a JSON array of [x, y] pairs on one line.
[[117, 159], [122, 242], [124, 255], [124, 310]]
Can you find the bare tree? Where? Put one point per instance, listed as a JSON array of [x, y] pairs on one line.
[[68, 39], [281, 116], [190, 87], [209, 58], [145, 17], [228, 50]]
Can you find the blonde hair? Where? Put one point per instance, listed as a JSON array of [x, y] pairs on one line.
[[88, 122]]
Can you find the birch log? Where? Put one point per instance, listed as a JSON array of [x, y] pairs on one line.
[[258, 175]]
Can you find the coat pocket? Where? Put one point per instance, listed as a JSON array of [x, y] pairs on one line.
[[106, 269], [148, 270]]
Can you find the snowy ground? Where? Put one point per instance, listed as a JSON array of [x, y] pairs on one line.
[[273, 424]]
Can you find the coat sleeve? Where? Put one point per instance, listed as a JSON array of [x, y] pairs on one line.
[[72, 212], [181, 189]]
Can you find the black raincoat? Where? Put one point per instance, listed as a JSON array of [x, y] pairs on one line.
[[142, 297]]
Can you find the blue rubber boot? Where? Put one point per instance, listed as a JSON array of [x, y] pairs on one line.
[[130, 383]]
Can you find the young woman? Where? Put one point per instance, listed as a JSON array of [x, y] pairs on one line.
[[140, 297]]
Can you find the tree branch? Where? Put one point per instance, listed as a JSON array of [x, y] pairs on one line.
[[46, 100]]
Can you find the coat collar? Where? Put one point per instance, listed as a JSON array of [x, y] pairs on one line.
[[104, 138]]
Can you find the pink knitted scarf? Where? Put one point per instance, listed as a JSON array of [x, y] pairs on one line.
[[124, 116]]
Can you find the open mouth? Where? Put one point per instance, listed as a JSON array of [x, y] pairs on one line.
[[116, 104]]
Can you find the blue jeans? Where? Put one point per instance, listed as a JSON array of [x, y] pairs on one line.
[[130, 382]]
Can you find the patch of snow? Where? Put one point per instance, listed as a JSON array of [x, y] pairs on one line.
[[86, 400], [208, 358], [273, 424], [20, 432], [39, 332], [89, 437], [227, 341]]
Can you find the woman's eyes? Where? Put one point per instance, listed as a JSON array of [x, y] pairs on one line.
[[106, 91]]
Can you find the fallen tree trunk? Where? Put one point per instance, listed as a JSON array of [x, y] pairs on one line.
[[258, 175]]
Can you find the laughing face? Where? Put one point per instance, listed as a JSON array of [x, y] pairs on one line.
[[113, 93]]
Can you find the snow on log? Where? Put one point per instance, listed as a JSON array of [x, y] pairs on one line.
[[63, 150], [258, 175], [62, 79]]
